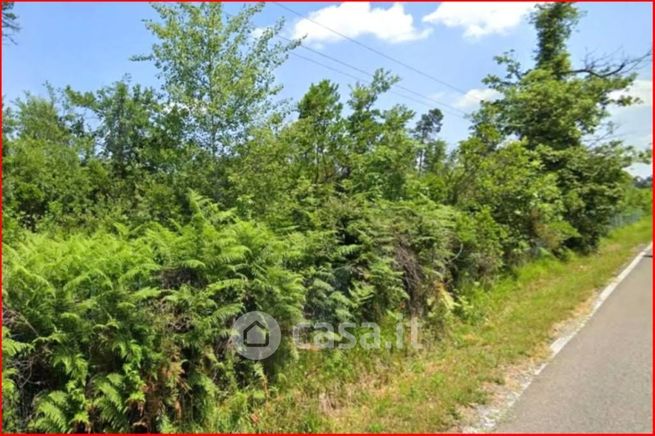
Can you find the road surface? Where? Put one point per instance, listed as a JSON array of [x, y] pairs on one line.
[[601, 381]]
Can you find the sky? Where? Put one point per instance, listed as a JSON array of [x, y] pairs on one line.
[[446, 49]]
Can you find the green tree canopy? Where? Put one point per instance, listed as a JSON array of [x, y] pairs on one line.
[[218, 69]]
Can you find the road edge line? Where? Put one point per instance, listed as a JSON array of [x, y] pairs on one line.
[[558, 344], [492, 419]]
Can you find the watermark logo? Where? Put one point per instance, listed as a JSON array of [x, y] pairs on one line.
[[256, 335]]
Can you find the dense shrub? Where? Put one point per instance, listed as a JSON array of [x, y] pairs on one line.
[[129, 333]]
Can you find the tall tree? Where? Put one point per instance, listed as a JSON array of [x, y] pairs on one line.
[[554, 24], [382, 152], [432, 151], [551, 108], [218, 68], [554, 103], [322, 127]]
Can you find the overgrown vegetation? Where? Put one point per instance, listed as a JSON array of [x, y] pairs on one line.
[[139, 223], [431, 390]]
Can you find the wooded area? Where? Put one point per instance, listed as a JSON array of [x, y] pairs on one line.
[[138, 223]]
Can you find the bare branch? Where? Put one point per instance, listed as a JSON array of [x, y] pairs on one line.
[[604, 67]]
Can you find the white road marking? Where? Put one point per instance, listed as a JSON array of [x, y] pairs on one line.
[[489, 417], [560, 342]]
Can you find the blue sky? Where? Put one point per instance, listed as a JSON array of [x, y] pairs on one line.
[[88, 45]]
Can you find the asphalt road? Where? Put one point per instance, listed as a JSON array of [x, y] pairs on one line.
[[601, 381]]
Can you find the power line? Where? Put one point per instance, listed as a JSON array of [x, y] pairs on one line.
[[371, 49], [346, 64], [336, 70], [325, 66], [397, 61], [457, 112]]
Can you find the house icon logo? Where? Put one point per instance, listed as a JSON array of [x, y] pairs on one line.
[[255, 335]]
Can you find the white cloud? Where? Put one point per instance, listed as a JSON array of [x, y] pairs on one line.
[[472, 98], [637, 118], [357, 19], [634, 123], [642, 89], [480, 18]]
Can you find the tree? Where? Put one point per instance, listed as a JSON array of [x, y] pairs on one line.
[[554, 24], [381, 152], [323, 136], [141, 143], [42, 167], [521, 197], [553, 103], [124, 118], [551, 108], [217, 69], [9, 21], [432, 151], [429, 125]]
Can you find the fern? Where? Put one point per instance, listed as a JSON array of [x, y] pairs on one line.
[[136, 325], [140, 321], [52, 415], [110, 404]]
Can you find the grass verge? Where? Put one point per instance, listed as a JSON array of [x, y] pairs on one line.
[[405, 391]]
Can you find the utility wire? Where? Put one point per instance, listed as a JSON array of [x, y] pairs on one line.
[[346, 64], [453, 110], [371, 49], [388, 57], [336, 70]]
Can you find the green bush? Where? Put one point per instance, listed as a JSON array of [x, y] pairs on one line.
[[117, 332]]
